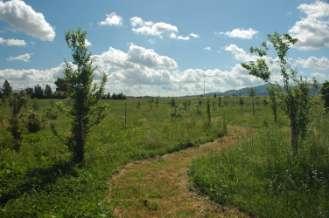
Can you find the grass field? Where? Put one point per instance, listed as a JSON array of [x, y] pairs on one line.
[[39, 181], [261, 178]]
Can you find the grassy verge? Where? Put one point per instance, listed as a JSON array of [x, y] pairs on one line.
[[260, 177]]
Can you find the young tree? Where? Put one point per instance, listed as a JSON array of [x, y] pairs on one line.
[[6, 89], [295, 91], [85, 111], [48, 91], [62, 87], [325, 95], [38, 92], [16, 103], [208, 113]]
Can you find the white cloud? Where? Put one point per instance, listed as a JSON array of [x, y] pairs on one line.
[[312, 31], [158, 29], [12, 42], [21, 78], [112, 19], [24, 18], [142, 71], [241, 33], [207, 48], [26, 57], [239, 53], [314, 63]]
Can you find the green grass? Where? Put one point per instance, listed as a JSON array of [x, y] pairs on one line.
[[261, 178], [40, 182]]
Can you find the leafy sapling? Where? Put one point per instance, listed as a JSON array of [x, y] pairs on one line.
[[295, 93]]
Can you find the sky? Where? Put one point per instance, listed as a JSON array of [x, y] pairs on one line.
[[160, 48]]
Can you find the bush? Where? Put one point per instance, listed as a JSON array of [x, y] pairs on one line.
[[34, 123]]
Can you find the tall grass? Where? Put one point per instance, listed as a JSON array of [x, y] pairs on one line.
[[262, 177]]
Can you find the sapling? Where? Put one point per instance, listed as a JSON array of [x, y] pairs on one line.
[[6, 89], [16, 104], [208, 114], [295, 95], [85, 110]]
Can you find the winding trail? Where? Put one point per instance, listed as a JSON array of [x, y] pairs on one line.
[[160, 187]]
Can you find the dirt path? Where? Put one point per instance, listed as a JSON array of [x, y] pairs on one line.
[[160, 187]]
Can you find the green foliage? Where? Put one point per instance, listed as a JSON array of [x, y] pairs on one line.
[[208, 113], [295, 93], [38, 92], [258, 68], [62, 87], [48, 91], [40, 180], [6, 89], [34, 123], [260, 178], [325, 95], [16, 103], [83, 93], [273, 91]]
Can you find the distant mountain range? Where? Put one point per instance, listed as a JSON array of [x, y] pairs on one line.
[[260, 91]]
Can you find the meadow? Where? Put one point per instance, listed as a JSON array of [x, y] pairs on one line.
[[257, 175], [40, 181]]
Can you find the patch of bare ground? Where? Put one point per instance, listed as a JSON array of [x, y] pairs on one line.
[[160, 187]]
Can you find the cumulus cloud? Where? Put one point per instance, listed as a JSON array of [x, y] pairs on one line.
[[312, 31], [158, 29], [21, 78], [239, 54], [112, 19], [12, 42], [24, 18], [240, 33], [26, 57], [314, 63], [141, 71]]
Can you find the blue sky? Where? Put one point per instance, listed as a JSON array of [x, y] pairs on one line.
[[203, 38]]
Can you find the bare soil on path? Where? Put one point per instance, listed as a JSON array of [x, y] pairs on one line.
[[160, 187]]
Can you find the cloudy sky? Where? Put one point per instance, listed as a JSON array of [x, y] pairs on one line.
[[153, 47]]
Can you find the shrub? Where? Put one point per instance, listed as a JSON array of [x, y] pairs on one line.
[[34, 123]]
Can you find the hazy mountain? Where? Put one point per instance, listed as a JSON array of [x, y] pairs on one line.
[[260, 91]]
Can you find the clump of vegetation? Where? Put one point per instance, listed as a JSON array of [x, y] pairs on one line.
[[325, 95], [6, 89], [34, 123], [16, 104], [208, 113]]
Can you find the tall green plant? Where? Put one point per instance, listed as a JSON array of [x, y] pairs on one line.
[[6, 89], [273, 91], [295, 93], [85, 110], [16, 104], [325, 95], [208, 113]]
